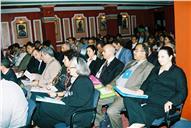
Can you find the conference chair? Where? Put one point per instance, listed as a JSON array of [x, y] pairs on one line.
[[170, 117], [31, 108], [77, 118]]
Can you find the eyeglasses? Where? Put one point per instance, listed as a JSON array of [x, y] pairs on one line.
[[72, 67]]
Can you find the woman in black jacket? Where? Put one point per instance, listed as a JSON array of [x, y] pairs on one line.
[[166, 86], [93, 61], [79, 96]]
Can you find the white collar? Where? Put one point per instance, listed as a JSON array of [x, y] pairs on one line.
[[110, 59]]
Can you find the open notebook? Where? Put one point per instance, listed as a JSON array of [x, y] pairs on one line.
[[128, 93]]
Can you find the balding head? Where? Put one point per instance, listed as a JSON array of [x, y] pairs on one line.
[[108, 51]]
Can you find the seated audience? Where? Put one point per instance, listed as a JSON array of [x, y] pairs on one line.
[[64, 48], [111, 67], [38, 65], [166, 87], [137, 70], [99, 45], [51, 70], [14, 106], [26, 59], [61, 81], [123, 54], [7, 73], [79, 96], [93, 61]]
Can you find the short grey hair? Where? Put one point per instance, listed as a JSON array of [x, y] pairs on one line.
[[47, 50], [81, 66]]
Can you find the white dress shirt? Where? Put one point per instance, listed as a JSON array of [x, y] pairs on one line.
[[13, 105]]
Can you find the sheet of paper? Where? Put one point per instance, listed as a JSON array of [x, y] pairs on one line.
[[44, 90], [29, 75], [49, 100]]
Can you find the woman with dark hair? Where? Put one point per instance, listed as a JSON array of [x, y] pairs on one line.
[[93, 61], [166, 86], [61, 80], [79, 96]]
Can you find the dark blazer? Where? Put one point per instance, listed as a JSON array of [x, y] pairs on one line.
[[81, 97], [170, 86], [33, 66], [112, 70], [95, 65], [10, 75]]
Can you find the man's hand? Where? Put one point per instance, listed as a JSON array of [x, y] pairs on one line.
[[139, 92], [167, 106]]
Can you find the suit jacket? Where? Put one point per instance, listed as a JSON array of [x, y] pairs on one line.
[[95, 65], [170, 85], [33, 66], [112, 70], [139, 75], [50, 72], [24, 62], [125, 55]]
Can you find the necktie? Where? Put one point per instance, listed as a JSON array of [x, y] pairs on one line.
[[67, 81], [104, 68], [39, 66]]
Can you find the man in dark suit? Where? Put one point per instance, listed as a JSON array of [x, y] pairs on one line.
[[112, 66]]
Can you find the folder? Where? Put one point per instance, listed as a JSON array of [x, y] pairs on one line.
[[124, 92]]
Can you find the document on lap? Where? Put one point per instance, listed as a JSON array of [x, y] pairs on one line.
[[31, 76], [104, 91], [44, 90], [128, 93], [49, 100], [95, 80]]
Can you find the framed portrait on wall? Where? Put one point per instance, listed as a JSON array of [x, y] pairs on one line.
[[102, 24], [21, 29], [80, 26], [124, 23]]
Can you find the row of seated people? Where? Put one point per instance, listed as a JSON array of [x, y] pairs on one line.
[[110, 69]]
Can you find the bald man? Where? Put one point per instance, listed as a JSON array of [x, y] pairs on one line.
[[112, 66]]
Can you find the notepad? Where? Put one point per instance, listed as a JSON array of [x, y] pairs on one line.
[[128, 93], [49, 100], [106, 93], [43, 90]]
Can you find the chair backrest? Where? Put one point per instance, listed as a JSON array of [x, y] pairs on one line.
[[31, 108], [77, 119], [96, 98]]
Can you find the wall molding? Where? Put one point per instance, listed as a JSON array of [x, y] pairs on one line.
[[19, 10], [34, 28], [5, 43], [69, 31], [93, 18]]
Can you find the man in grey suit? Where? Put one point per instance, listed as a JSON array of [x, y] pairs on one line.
[[132, 78]]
